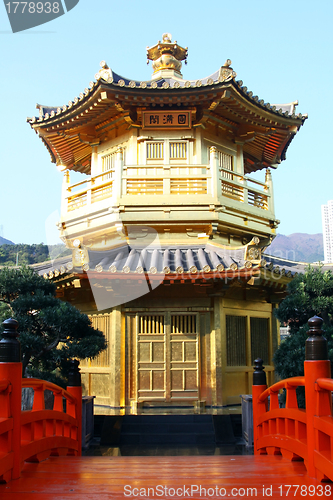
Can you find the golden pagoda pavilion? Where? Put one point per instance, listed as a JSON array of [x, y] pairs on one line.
[[167, 229]]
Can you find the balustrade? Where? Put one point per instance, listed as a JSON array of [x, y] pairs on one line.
[[297, 433], [33, 435], [89, 191], [168, 180], [236, 187]]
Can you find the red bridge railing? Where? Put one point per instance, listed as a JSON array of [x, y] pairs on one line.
[[33, 435], [296, 433]]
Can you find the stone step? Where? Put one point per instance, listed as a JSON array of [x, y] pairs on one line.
[[141, 430], [139, 439], [167, 428]]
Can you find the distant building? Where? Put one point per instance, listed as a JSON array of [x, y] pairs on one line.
[[327, 221], [284, 332]]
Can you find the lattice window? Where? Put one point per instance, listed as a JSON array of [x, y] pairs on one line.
[[259, 339], [184, 323], [178, 150], [101, 322], [226, 162], [151, 324], [155, 150], [236, 340], [108, 163]]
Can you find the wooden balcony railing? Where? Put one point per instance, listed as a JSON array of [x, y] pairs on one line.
[[167, 180], [89, 191], [296, 433], [33, 435], [236, 187]]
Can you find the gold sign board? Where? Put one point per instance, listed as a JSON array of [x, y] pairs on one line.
[[166, 119]]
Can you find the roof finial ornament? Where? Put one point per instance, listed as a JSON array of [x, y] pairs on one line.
[[226, 71], [105, 73], [166, 56], [167, 38]]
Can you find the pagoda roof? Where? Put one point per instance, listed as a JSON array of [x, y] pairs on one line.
[[70, 131], [120, 271], [174, 262]]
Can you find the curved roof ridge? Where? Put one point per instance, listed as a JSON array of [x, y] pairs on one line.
[[286, 110]]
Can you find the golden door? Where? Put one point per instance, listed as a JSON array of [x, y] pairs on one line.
[[166, 358]]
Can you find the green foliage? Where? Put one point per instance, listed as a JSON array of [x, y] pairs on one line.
[[23, 254], [289, 357], [52, 332], [309, 294]]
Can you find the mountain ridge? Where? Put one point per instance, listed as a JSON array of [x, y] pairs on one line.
[[3, 241], [298, 247]]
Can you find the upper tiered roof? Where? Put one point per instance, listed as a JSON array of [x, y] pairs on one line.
[[70, 131]]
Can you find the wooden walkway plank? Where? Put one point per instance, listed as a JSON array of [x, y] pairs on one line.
[[106, 478]]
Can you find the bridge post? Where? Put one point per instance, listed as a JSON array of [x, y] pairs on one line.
[[259, 386], [11, 370], [74, 387], [316, 365]]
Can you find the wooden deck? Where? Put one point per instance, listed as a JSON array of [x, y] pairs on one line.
[[105, 478]]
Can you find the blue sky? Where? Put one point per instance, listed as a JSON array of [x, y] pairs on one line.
[[281, 50]]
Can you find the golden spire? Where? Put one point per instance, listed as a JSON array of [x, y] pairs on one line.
[[166, 57]]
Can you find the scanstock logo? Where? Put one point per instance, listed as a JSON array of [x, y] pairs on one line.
[[25, 15]]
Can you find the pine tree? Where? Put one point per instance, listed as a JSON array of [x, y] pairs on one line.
[[52, 332], [309, 294]]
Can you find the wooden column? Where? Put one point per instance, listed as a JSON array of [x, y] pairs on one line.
[[74, 387], [316, 365], [116, 353], [259, 386], [65, 193], [11, 370], [117, 184], [216, 355], [214, 172], [269, 188]]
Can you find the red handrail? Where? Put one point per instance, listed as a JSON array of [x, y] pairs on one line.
[[325, 383], [33, 435], [49, 432], [282, 384], [294, 432], [40, 386]]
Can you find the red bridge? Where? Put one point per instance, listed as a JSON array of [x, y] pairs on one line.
[[40, 449]]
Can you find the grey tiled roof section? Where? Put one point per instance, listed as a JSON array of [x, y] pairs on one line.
[[51, 265], [173, 260], [166, 260], [286, 108], [45, 109], [289, 267]]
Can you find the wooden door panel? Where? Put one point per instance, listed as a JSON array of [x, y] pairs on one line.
[[167, 357], [151, 359], [184, 359]]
